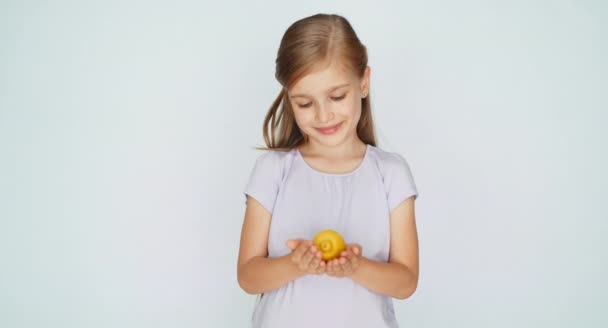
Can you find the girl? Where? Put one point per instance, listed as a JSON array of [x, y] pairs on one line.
[[322, 170]]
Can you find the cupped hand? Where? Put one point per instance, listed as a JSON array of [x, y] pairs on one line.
[[347, 264], [306, 256]]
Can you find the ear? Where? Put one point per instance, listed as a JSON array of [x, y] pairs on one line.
[[365, 82]]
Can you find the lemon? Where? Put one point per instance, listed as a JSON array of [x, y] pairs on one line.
[[330, 243]]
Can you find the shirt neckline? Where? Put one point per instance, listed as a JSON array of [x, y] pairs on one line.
[[354, 171]]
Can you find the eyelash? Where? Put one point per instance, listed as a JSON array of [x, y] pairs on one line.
[[333, 98]]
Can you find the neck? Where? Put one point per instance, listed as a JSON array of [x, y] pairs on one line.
[[347, 149]]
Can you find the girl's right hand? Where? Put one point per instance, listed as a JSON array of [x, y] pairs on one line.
[[306, 256]]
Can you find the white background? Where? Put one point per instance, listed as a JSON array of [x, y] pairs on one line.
[[126, 136]]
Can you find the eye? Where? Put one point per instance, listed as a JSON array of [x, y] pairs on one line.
[[305, 105], [339, 97]]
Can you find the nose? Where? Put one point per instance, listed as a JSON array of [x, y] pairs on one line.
[[324, 114]]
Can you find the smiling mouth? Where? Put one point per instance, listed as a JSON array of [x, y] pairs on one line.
[[330, 129]]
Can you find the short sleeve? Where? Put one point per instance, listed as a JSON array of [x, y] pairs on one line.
[[398, 180], [264, 179]]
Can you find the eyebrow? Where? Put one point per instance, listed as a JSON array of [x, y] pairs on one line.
[[328, 90]]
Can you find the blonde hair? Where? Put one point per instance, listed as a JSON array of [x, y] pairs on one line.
[[308, 44]]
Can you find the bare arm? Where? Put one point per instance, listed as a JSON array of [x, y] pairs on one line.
[[256, 272], [399, 277]]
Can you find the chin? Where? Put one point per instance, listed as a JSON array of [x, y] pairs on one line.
[[329, 143]]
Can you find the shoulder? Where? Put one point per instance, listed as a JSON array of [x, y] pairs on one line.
[[387, 161], [273, 157], [396, 176], [274, 162], [267, 176]]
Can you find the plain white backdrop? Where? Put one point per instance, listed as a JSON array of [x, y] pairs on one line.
[[127, 131]]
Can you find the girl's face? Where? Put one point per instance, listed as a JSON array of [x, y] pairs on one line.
[[327, 105]]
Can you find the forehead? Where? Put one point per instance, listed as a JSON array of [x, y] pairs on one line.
[[322, 80]]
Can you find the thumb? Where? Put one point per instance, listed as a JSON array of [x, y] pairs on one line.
[[356, 248], [293, 243]]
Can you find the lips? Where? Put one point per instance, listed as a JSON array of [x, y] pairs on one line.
[[330, 129]]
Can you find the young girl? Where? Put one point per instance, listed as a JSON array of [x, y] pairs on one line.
[[322, 170]]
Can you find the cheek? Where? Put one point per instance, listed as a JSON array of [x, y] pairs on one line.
[[351, 109], [303, 118]]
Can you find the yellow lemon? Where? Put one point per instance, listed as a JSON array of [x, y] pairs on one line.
[[330, 243]]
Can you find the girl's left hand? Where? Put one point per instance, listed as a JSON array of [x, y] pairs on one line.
[[347, 264]]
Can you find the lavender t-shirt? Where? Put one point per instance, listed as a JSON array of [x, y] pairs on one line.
[[303, 201]]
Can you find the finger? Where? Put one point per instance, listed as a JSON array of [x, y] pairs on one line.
[[321, 267], [343, 262], [354, 261], [297, 254], [346, 265], [334, 271], [356, 249], [318, 258], [354, 256], [337, 267], [349, 255], [308, 256], [293, 243], [315, 263], [330, 268]]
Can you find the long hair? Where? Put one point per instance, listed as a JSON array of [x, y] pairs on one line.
[[308, 44]]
